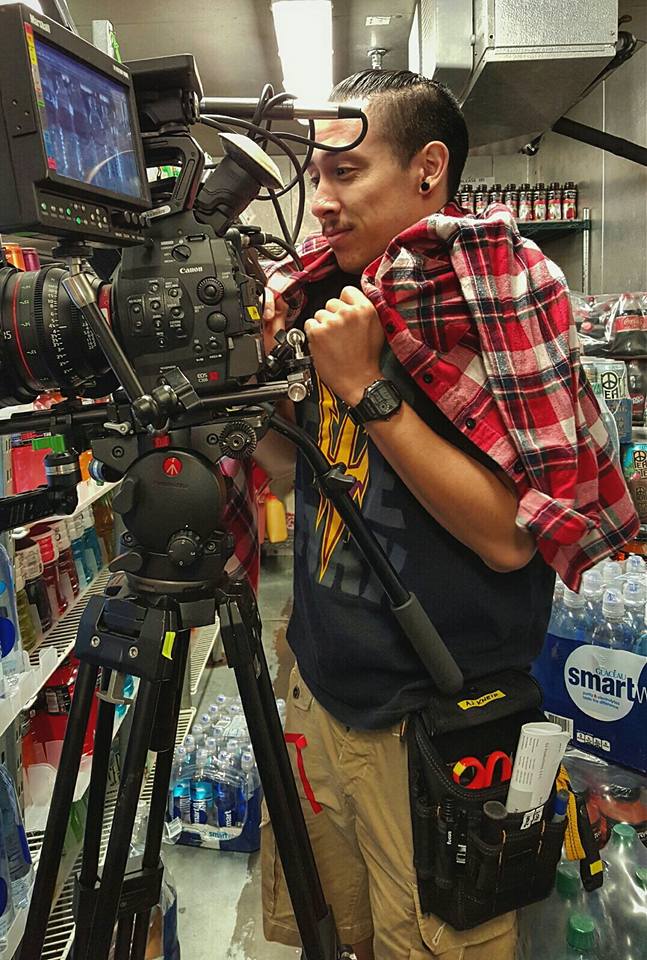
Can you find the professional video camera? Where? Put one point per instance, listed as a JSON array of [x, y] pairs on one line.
[[174, 337]]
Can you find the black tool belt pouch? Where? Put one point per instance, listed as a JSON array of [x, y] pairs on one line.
[[462, 878]]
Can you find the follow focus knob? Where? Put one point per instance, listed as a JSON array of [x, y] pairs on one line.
[[184, 548]]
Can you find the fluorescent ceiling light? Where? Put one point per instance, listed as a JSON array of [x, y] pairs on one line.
[[414, 43], [304, 35], [34, 4]]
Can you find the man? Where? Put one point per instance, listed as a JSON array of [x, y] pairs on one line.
[[445, 482]]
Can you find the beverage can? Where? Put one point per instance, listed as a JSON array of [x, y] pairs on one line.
[[634, 465], [612, 375]]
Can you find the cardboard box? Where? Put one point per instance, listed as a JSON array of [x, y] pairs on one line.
[[599, 696]]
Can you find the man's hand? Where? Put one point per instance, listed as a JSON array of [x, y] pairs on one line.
[[346, 340], [275, 315]]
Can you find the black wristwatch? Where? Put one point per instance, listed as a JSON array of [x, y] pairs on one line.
[[380, 401]]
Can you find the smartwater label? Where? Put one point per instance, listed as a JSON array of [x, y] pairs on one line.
[[605, 684]]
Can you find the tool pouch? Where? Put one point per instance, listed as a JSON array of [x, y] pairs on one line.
[[462, 878]]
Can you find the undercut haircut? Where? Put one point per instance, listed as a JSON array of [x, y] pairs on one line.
[[411, 111]]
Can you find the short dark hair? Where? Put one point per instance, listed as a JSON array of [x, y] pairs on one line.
[[412, 110]]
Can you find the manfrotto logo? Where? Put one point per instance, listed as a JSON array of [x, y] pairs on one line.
[[191, 269], [604, 683], [40, 23]]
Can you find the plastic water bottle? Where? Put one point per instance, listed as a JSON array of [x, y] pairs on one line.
[[558, 597], [205, 720], [225, 791], [201, 787], [191, 748], [180, 799], [212, 747], [12, 659], [21, 871], [641, 642], [220, 728], [571, 621], [611, 630], [592, 589], [281, 706], [634, 595], [197, 730], [611, 571], [581, 938], [635, 566]]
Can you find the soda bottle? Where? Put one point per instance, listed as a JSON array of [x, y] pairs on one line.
[[611, 630], [581, 938], [44, 538], [66, 562], [28, 555], [542, 926], [621, 898], [30, 630]]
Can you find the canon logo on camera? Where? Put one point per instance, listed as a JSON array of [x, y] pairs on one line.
[[191, 269], [40, 23]]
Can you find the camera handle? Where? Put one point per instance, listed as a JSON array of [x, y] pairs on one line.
[[336, 485]]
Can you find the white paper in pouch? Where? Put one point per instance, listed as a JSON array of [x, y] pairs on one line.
[[539, 753]]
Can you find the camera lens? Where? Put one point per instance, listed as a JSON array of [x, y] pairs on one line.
[[46, 344]]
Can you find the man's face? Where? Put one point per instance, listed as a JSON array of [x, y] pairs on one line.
[[363, 198]]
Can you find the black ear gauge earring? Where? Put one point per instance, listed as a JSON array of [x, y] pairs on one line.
[[424, 186]]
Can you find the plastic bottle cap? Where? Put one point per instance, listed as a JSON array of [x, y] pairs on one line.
[[581, 932], [613, 606], [567, 880], [623, 833], [592, 578], [634, 591], [572, 599], [641, 877], [611, 570]]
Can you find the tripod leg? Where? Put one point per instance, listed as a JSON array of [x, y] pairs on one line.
[[124, 937], [122, 825], [165, 733], [245, 654], [59, 813], [85, 893]]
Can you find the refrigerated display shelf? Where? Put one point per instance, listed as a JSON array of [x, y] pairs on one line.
[[44, 659]]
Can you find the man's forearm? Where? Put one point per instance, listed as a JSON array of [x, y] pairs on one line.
[[469, 500]]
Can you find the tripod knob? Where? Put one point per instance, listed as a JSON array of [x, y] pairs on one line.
[[184, 548]]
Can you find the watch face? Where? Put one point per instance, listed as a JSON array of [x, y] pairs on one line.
[[383, 397]]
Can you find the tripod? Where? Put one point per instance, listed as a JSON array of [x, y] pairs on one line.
[[141, 627]]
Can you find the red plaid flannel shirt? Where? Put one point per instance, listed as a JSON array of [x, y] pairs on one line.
[[481, 320]]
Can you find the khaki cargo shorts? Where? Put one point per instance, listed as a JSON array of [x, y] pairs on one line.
[[361, 836]]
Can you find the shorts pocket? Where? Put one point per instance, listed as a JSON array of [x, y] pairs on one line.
[[434, 937], [299, 696]]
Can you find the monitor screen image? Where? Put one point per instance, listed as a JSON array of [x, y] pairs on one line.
[[86, 124]]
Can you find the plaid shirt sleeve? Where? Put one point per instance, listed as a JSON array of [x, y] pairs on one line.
[[481, 320]]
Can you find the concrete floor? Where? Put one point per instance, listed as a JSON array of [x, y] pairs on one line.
[[219, 893]]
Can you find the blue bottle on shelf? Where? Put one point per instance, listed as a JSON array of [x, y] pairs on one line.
[[91, 537], [21, 871], [85, 565], [10, 647]]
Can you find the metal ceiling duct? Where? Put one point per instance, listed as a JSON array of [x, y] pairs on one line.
[[516, 65]]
